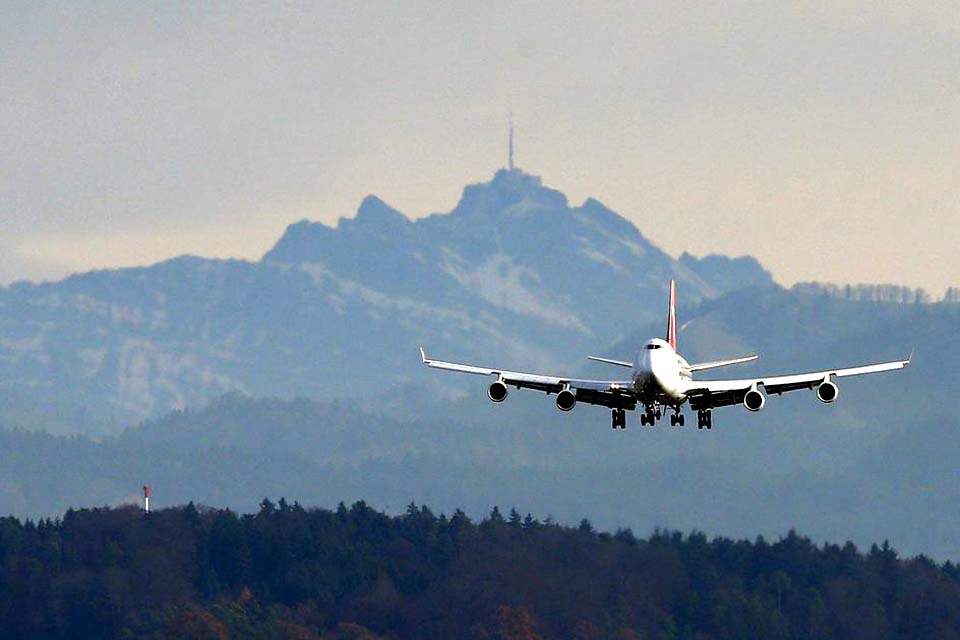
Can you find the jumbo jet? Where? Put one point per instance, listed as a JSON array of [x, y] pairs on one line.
[[661, 380]]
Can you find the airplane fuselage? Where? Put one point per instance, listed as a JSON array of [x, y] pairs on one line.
[[657, 374]]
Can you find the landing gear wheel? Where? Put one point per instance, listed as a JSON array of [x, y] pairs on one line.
[[704, 419], [618, 419], [643, 419], [676, 420]]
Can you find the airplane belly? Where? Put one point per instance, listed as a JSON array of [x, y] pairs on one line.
[[672, 391], [667, 387]]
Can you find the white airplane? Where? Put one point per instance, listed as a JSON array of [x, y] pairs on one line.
[[662, 379]]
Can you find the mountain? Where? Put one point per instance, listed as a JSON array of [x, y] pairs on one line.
[[879, 463], [512, 272], [728, 274], [512, 275]]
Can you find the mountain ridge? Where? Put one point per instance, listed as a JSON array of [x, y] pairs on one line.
[[328, 309], [887, 448]]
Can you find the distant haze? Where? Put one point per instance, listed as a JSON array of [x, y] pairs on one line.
[[822, 140]]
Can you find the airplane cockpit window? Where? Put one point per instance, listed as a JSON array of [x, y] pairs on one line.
[[653, 346]]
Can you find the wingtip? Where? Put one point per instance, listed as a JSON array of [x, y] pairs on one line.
[[423, 354], [909, 358]]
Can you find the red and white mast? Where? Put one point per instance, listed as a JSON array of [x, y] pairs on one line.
[[146, 498]]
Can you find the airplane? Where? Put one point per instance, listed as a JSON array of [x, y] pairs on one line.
[[661, 380]]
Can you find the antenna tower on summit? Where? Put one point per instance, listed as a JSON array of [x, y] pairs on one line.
[[510, 155]]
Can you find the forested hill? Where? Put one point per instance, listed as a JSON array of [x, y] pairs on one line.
[[289, 572]]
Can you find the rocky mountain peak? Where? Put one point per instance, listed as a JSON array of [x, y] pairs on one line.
[[374, 211], [510, 190]]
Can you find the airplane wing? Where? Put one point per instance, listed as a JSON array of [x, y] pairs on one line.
[[619, 363], [607, 393], [705, 394], [715, 364]]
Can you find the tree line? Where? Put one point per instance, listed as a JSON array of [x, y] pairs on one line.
[[356, 573]]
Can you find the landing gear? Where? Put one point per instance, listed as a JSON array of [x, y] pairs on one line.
[[704, 419], [649, 417], [619, 419], [676, 420]]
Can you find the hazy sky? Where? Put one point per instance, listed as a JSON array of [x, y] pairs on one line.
[[821, 137]]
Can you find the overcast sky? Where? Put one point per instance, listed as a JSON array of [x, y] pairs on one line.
[[822, 138]]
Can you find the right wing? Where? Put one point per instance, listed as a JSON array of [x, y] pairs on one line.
[[607, 393], [705, 394]]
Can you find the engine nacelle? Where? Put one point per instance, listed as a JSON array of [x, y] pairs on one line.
[[754, 400], [497, 391], [566, 400], [827, 392]]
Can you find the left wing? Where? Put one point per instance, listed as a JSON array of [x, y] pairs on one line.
[[716, 364], [608, 393], [619, 363], [705, 394]]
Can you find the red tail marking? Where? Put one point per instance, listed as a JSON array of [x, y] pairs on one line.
[[672, 318]]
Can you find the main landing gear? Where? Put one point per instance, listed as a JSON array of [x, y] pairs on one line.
[[619, 417], [704, 419], [650, 415]]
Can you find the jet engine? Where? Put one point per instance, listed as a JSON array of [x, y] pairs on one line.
[[754, 400], [497, 391], [566, 400], [827, 392]]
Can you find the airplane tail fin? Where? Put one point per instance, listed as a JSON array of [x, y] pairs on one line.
[[672, 317]]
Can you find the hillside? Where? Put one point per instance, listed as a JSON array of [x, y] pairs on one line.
[[290, 572], [513, 270], [328, 316], [879, 463]]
